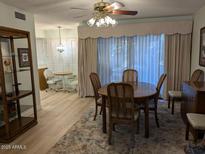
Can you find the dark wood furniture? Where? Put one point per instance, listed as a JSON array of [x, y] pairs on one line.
[[197, 124], [130, 75], [17, 93], [142, 93], [42, 79], [95, 80], [193, 98], [122, 109], [154, 102], [197, 75]]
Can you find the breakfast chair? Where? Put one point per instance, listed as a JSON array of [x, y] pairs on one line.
[[130, 75], [53, 82], [122, 109], [95, 80], [154, 102], [198, 75]]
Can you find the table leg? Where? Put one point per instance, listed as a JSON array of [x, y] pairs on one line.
[[104, 114], [146, 119], [63, 82]]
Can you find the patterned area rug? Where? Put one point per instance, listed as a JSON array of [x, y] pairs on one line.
[[86, 136]]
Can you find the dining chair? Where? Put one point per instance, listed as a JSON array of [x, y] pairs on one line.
[[53, 82], [96, 84], [159, 86], [198, 75], [122, 109], [153, 103], [130, 75]]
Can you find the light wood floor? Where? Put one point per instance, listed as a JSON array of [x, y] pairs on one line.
[[58, 114]]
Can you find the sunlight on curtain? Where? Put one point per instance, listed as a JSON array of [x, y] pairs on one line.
[[49, 56], [143, 53]]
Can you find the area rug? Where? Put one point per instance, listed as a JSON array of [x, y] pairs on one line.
[[86, 136]]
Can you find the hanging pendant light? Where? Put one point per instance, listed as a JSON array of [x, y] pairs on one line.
[[60, 47]]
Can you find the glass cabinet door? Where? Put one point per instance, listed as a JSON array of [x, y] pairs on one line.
[[16, 84], [7, 109]]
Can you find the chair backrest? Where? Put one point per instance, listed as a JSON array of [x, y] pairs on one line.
[[48, 74], [95, 80], [198, 75], [130, 75], [160, 82], [121, 101]]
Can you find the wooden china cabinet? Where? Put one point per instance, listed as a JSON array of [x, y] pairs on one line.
[[17, 93]]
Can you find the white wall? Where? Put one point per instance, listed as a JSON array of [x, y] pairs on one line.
[[199, 22], [7, 19], [48, 56], [54, 34], [40, 33]]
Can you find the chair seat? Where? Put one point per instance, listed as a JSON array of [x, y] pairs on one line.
[[197, 121], [128, 117], [57, 80], [129, 107], [53, 81], [175, 94], [74, 82]]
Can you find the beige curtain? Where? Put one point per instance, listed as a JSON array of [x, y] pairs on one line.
[[140, 28], [177, 58], [87, 63]]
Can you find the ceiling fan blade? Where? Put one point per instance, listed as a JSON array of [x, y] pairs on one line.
[[114, 6], [78, 8], [124, 12]]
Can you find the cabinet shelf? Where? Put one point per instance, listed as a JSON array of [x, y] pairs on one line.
[[22, 93], [20, 70], [16, 127]]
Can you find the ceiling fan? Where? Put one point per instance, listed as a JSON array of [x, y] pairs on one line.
[[103, 10], [112, 8]]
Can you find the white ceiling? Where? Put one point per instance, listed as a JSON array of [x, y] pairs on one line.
[[50, 13]]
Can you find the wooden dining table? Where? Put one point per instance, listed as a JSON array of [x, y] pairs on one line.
[[143, 92]]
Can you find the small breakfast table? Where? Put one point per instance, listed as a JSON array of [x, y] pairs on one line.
[[63, 75], [143, 92]]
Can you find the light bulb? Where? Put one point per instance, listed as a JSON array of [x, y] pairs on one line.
[[102, 21], [97, 24], [91, 22]]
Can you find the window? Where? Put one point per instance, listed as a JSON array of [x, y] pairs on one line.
[[143, 53]]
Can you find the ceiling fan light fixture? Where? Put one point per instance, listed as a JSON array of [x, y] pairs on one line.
[[103, 9], [102, 21]]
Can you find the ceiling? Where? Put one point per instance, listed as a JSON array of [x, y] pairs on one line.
[[50, 13]]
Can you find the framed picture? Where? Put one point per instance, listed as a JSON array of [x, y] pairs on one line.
[[202, 47], [23, 57]]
